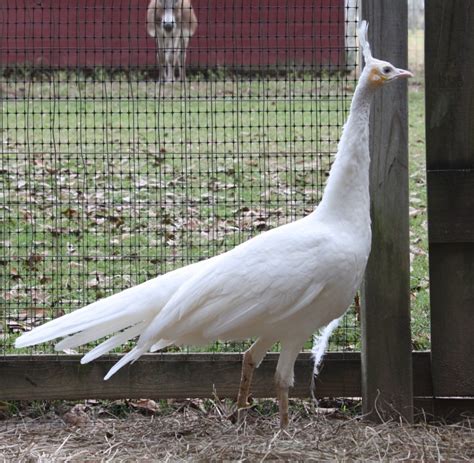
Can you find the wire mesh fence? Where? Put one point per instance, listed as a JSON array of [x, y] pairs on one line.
[[126, 155]]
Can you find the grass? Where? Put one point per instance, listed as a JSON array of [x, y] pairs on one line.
[[108, 181], [419, 281], [416, 51]]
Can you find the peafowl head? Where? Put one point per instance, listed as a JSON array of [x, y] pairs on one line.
[[378, 72]]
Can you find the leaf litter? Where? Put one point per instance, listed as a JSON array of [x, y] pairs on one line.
[[197, 430]]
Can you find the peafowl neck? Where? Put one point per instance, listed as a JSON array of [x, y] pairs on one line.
[[346, 196]]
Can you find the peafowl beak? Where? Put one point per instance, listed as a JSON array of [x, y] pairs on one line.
[[403, 74]]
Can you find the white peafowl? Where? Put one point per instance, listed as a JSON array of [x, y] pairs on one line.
[[282, 285]]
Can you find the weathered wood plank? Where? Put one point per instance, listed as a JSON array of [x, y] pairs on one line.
[[451, 212], [445, 409], [166, 376], [386, 337], [452, 330], [449, 78], [422, 384], [449, 70], [49, 377], [156, 376]]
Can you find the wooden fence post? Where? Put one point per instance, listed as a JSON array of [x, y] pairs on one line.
[[387, 388], [449, 70]]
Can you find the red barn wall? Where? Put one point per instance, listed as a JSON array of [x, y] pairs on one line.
[[112, 33]]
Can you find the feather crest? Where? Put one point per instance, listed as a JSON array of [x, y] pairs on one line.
[[363, 40]]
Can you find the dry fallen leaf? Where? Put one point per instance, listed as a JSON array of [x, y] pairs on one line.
[[34, 259], [97, 281], [20, 184], [70, 213], [15, 274], [33, 313], [38, 295], [145, 405], [14, 326], [413, 212], [45, 279], [76, 416]]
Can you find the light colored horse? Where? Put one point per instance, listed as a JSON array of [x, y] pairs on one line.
[[172, 23]]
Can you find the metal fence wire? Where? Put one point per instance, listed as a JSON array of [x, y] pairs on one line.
[[115, 169]]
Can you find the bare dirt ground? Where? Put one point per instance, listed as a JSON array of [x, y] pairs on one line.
[[200, 431]]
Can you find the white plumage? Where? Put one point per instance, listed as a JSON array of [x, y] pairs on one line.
[[282, 285]]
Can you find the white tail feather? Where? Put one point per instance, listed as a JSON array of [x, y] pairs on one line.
[[160, 345], [320, 343], [133, 355], [97, 332], [98, 313], [118, 311], [113, 342]]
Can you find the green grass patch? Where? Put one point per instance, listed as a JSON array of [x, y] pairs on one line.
[[105, 184], [419, 281]]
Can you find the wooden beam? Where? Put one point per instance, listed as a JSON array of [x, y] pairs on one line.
[[444, 409], [452, 330], [166, 376], [451, 199], [449, 75], [160, 376], [180, 376], [449, 71], [386, 337]]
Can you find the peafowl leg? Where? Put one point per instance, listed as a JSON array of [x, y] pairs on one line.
[[282, 395], [248, 367], [284, 377], [252, 358]]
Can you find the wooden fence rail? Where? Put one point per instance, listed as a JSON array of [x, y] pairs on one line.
[[180, 376]]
